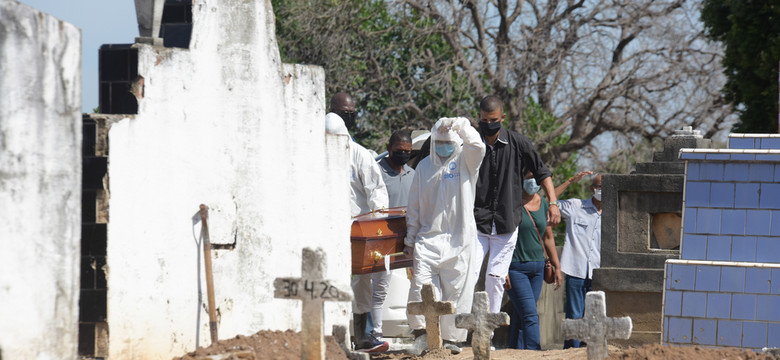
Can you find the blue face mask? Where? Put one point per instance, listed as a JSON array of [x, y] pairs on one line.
[[531, 187], [445, 149]]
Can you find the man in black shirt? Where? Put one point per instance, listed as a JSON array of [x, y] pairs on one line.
[[498, 204]]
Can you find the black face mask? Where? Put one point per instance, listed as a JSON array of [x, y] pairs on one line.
[[348, 117], [400, 157], [489, 129]]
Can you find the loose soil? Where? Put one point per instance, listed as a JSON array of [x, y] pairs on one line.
[[286, 345], [264, 345], [658, 352]]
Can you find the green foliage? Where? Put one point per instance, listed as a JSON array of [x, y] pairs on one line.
[[750, 31], [399, 74]]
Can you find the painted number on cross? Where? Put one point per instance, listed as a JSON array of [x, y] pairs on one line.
[[306, 289]]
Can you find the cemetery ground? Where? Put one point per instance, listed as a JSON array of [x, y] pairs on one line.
[[286, 345]]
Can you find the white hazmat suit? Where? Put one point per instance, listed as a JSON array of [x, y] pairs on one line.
[[367, 192], [440, 221]]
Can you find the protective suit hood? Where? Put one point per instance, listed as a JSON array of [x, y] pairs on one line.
[[442, 132]]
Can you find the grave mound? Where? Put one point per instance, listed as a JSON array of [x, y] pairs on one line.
[[265, 345], [661, 352]]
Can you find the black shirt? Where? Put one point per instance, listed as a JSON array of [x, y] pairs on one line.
[[499, 195]]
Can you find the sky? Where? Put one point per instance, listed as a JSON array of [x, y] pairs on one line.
[[101, 22]]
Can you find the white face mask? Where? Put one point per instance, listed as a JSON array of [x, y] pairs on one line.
[[597, 194]]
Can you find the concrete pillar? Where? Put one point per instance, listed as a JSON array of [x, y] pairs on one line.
[[149, 15]]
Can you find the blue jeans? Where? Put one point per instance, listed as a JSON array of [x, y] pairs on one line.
[[526, 278], [576, 289]]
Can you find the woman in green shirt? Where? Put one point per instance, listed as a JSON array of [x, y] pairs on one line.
[[526, 272]]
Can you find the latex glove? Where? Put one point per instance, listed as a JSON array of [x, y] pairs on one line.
[[445, 124], [408, 250]]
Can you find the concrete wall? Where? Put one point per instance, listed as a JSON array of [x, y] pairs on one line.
[[225, 124], [725, 290], [40, 176]]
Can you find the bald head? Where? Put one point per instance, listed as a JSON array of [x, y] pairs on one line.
[[596, 181], [342, 101], [343, 105]]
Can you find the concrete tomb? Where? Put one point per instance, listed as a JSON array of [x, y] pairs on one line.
[[641, 223], [595, 327], [223, 122], [482, 322], [431, 310], [313, 290]]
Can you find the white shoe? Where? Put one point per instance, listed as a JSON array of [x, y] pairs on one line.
[[455, 349]]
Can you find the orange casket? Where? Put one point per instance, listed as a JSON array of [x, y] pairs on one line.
[[375, 235]]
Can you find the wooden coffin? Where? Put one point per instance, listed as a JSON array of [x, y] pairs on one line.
[[375, 235]]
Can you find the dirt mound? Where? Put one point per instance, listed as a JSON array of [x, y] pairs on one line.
[[660, 352], [264, 345]]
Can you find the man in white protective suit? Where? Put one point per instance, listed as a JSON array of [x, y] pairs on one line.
[[367, 192], [441, 231]]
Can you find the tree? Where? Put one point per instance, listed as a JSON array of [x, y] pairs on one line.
[[397, 70], [633, 69], [607, 71], [750, 32]]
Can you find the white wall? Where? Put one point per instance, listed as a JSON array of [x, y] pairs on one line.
[[226, 124], [40, 182]]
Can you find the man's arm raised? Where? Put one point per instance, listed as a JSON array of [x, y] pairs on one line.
[[565, 185]]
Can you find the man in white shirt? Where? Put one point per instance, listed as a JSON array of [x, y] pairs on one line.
[[367, 192], [582, 249]]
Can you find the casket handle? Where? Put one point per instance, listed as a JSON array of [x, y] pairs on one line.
[[378, 255]]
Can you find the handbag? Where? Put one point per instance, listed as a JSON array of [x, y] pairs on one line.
[[549, 270]]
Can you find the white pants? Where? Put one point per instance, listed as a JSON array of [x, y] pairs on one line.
[[501, 247], [370, 291], [453, 280], [361, 291], [380, 282]]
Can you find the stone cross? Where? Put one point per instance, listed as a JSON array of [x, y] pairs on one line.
[[313, 290], [595, 327], [431, 309], [482, 322]]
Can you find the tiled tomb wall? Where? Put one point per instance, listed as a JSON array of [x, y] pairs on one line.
[[725, 289]]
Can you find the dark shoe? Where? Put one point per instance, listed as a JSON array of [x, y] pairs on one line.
[[372, 345], [417, 333]]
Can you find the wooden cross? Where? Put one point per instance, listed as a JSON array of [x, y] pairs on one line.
[[482, 322], [431, 309], [595, 327], [313, 290]]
